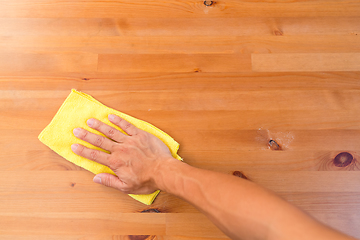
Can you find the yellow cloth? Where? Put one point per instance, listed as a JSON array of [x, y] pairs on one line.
[[74, 112]]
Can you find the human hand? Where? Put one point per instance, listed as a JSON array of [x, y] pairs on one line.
[[134, 158]]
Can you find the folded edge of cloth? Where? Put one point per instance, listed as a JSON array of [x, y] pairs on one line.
[[77, 108]]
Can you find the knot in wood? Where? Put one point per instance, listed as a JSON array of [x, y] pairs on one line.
[[208, 3], [278, 32], [151, 210], [343, 159], [274, 145], [141, 237], [239, 174]]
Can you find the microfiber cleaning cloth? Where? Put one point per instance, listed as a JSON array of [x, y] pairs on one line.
[[74, 112]]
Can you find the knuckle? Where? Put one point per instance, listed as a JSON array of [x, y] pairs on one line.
[[84, 134], [99, 141], [130, 141], [127, 125], [119, 121], [111, 162], [94, 154], [111, 132], [125, 190], [106, 181], [114, 163]]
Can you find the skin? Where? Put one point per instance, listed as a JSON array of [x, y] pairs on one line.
[[238, 207]]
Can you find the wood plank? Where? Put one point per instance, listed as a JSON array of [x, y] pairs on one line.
[[65, 223], [73, 201], [322, 181], [195, 27], [328, 140], [191, 224], [66, 201], [130, 82], [306, 62], [45, 61], [192, 237], [56, 27], [105, 237], [170, 63], [194, 101], [267, 160], [184, 45], [176, 9]]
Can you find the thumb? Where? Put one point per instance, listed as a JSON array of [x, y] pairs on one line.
[[109, 180]]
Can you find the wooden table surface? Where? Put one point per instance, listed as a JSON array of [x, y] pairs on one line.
[[225, 78]]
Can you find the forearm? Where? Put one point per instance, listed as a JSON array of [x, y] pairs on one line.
[[240, 208]]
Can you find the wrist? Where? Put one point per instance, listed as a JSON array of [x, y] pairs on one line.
[[165, 173]]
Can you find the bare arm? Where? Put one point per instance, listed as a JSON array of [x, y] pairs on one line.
[[240, 208]]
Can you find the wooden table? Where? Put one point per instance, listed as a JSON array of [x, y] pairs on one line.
[[270, 89]]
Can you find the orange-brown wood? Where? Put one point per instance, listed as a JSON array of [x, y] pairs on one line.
[[306, 62], [270, 90]]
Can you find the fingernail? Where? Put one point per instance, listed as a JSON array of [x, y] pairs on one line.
[[97, 179], [74, 147], [90, 122], [76, 131], [111, 117]]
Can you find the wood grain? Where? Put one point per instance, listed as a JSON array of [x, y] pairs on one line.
[[201, 46], [207, 27], [206, 101], [306, 62], [174, 63], [224, 80], [47, 61], [176, 9]]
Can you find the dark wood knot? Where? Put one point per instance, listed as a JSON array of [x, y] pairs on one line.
[[208, 3], [85, 79], [151, 210], [343, 159], [239, 174], [72, 184], [274, 145], [141, 237]]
